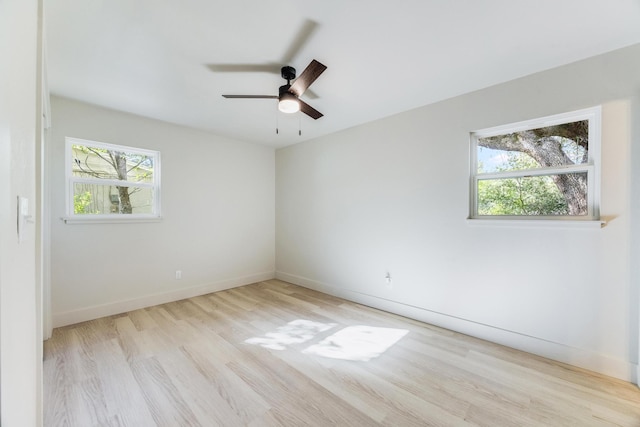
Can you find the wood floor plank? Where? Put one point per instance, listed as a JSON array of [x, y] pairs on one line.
[[141, 320], [198, 392], [240, 358], [231, 393], [166, 404], [55, 411], [124, 398], [293, 394]]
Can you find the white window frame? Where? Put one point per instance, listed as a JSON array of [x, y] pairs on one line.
[[73, 218], [592, 167]]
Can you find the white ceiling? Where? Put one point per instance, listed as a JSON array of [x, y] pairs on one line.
[[154, 57]]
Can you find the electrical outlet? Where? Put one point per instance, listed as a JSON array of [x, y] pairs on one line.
[[387, 279], [178, 274]]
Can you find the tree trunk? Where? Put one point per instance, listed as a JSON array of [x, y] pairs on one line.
[[123, 192], [541, 145]]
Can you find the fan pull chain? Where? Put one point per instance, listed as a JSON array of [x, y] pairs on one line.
[[299, 125], [277, 132]]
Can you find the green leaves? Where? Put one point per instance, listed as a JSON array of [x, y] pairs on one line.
[[82, 203], [527, 195]]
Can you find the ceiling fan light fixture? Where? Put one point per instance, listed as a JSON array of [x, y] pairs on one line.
[[289, 94], [288, 103]]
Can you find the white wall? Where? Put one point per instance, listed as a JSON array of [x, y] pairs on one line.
[[392, 195], [20, 332], [217, 226]]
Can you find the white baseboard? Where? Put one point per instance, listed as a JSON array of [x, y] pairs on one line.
[[97, 311], [557, 351]]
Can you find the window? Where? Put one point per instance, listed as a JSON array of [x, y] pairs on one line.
[[538, 169], [106, 181]]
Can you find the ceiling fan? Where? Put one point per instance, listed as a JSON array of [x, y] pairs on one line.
[[302, 37], [289, 95]]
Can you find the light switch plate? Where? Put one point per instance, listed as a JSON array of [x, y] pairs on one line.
[[22, 215]]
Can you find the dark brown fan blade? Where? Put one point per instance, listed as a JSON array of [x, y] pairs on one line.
[[271, 68], [306, 31], [310, 94], [252, 96], [308, 76], [309, 110], [304, 34]]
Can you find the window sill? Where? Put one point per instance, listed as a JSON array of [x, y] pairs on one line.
[[537, 223], [104, 220]]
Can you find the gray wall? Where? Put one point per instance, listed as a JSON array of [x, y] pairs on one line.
[[217, 226], [393, 195]]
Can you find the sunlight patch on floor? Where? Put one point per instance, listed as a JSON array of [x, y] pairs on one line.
[[294, 332], [357, 343]]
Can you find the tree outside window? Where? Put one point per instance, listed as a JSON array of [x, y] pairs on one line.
[[111, 180], [546, 171]]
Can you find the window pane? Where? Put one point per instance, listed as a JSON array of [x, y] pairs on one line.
[[102, 163], [561, 194], [91, 199], [557, 145]]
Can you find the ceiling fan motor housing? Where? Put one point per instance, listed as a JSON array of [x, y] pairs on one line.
[[284, 89], [288, 73]]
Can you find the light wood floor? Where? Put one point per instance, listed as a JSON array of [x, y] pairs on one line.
[[187, 364]]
